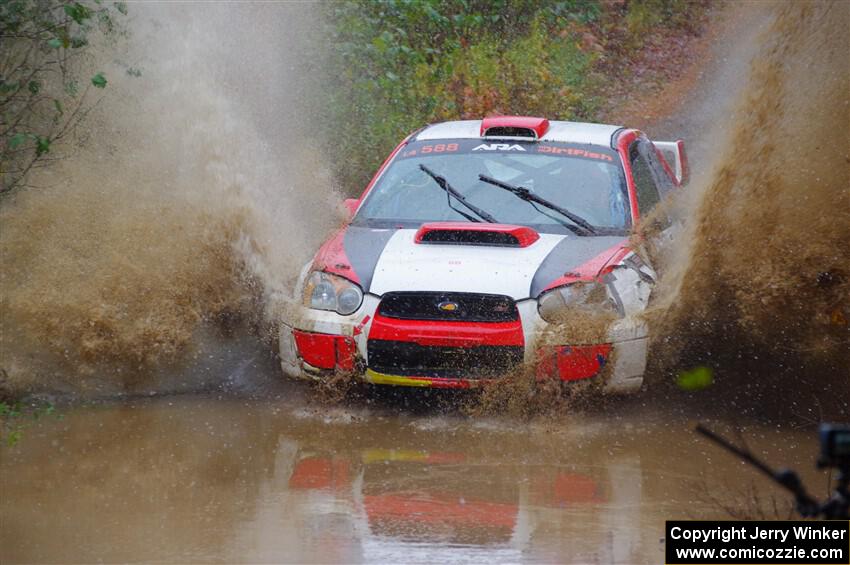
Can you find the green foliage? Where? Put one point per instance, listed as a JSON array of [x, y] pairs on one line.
[[15, 417], [643, 16], [697, 378], [399, 64], [43, 48], [396, 65], [99, 80]]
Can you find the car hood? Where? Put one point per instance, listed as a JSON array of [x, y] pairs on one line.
[[391, 260]]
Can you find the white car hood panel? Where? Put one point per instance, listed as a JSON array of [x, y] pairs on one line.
[[407, 266]]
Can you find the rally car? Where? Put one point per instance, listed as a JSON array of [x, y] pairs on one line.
[[483, 246]]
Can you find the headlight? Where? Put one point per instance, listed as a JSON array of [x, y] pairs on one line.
[[324, 291], [585, 297]]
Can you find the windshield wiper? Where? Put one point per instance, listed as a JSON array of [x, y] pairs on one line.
[[444, 184], [582, 227]]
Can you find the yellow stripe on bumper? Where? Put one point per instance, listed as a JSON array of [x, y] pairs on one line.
[[377, 378], [381, 455]]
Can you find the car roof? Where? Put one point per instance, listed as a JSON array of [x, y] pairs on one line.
[[570, 132]]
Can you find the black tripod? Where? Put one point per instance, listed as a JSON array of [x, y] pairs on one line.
[[837, 507]]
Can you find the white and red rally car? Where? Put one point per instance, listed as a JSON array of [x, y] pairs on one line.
[[468, 247]]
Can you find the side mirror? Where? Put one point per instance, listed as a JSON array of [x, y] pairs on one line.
[[674, 155], [351, 205]]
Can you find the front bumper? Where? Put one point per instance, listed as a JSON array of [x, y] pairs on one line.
[[314, 343]]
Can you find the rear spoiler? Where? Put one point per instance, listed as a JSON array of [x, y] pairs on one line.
[[674, 155]]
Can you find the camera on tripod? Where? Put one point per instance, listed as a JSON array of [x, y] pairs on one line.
[[834, 454], [834, 446]]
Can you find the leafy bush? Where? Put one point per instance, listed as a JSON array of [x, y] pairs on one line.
[[43, 44], [396, 65]]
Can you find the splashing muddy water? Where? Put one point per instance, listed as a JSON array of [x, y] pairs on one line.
[[196, 198], [759, 286]]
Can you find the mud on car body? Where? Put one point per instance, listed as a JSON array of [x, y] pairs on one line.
[[477, 247]]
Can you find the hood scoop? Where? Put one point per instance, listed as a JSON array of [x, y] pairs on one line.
[[468, 233]]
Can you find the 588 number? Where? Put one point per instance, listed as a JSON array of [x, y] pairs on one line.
[[438, 148]]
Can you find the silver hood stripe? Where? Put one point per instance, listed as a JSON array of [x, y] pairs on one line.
[[569, 254]]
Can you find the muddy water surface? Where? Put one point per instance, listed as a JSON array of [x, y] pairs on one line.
[[199, 479]]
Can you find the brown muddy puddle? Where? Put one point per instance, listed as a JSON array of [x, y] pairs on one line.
[[201, 479]]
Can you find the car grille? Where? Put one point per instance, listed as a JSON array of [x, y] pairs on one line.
[[454, 306], [411, 359]]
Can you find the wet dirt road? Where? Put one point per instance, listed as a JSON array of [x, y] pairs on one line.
[[224, 478]]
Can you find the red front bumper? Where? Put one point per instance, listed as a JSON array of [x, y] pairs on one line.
[[338, 353], [326, 351]]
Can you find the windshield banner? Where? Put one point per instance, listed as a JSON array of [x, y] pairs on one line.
[[460, 146]]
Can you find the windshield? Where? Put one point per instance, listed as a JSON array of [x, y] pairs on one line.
[[585, 180]]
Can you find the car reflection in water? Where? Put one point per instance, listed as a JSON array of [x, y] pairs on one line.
[[411, 505]]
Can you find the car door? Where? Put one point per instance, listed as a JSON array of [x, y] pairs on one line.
[[653, 184]]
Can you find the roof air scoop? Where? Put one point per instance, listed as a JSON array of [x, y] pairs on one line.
[[467, 233], [514, 127]]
